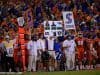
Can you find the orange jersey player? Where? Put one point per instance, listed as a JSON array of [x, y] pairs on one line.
[[80, 49], [91, 52], [16, 50], [27, 38], [97, 47], [80, 46], [17, 55]]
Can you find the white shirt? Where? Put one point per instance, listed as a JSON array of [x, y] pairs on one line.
[[50, 44], [9, 47], [32, 47], [70, 44], [41, 44]]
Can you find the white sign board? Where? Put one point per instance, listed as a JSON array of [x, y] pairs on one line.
[[59, 28], [52, 28], [20, 21], [68, 20]]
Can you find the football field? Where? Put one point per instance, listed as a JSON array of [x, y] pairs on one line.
[[87, 72]]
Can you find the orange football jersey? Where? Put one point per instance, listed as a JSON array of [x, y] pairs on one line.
[[80, 47]]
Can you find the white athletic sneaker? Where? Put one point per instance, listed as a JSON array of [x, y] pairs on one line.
[[77, 68]]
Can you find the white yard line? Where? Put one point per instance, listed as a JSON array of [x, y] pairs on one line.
[[11, 73]]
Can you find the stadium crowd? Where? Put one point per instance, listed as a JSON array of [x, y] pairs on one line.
[[67, 52]]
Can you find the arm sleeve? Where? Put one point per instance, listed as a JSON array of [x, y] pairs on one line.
[[64, 44], [4, 47], [75, 43], [28, 45]]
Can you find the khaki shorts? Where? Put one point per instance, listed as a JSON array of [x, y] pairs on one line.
[[52, 53]]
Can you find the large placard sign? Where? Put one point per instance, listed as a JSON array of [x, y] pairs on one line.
[[52, 28], [68, 20]]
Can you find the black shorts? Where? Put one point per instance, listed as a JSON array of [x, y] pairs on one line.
[[85, 61], [76, 62], [45, 58], [10, 63]]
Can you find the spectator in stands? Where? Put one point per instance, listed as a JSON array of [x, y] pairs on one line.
[[32, 47], [58, 52], [2, 56], [69, 47], [50, 45], [9, 45], [41, 50]]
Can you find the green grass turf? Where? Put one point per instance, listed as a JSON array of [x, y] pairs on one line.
[[87, 72]]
